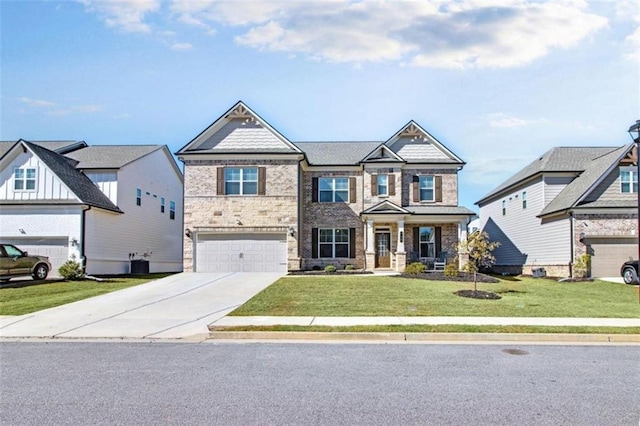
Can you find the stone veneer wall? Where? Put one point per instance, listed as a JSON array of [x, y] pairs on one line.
[[331, 215], [277, 208], [605, 225]]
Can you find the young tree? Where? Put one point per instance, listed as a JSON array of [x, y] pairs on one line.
[[480, 250]]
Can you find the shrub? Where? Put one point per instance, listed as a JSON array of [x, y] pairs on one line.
[[349, 267], [451, 269], [581, 266], [330, 268], [71, 269], [415, 268]]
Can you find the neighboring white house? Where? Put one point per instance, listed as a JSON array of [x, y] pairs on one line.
[[105, 205]]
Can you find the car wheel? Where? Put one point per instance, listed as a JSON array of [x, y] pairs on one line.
[[40, 273], [629, 275]]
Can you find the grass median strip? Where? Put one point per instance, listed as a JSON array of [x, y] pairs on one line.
[[396, 296], [435, 329], [24, 299]]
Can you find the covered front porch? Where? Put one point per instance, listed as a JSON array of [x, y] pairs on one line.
[[397, 236]]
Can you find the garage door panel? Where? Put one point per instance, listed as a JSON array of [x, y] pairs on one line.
[[241, 253], [607, 255]]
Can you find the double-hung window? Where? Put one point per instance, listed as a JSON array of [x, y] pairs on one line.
[[427, 188], [333, 190], [628, 180], [383, 185], [333, 242], [161, 204], [138, 197], [241, 181], [427, 241], [24, 179], [172, 210], [524, 200]]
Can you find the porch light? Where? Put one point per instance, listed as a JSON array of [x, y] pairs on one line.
[[634, 132]]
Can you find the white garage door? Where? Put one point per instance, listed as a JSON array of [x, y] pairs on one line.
[[56, 249], [609, 254], [241, 253]]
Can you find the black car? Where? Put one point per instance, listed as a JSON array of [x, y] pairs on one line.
[[629, 271]]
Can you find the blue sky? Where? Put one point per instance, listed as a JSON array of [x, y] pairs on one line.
[[497, 82]]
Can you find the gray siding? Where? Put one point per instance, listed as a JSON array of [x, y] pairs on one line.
[[609, 190], [553, 186]]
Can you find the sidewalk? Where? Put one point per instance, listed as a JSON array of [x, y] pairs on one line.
[[234, 321]]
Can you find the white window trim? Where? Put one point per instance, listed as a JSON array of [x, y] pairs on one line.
[[431, 243], [432, 187], [633, 175], [24, 179], [385, 186], [333, 243], [242, 180], [333, 189]]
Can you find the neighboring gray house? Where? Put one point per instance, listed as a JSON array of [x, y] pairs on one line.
[[102, 204], [255, 201], [568, 202]]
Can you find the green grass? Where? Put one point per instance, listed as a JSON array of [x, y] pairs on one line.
[[32, 298], [395, 296], [437, 329]]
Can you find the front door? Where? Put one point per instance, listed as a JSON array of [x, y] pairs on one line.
[[383, 246]]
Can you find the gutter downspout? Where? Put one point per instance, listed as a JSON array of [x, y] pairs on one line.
[[572, 248]]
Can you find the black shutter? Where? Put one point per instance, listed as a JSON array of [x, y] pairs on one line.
[[352, 243], [416, 240], [438, 241], [220, 183], [314, 189], [314, 242]]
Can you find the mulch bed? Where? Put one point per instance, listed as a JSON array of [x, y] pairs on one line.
[[338, 272], [478, 294], [462, 276]]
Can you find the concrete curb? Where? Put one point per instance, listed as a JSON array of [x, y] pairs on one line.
[[632, 339]]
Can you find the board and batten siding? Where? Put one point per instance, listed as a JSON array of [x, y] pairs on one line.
[[110, 238], [107, 181], [48, 186], [525, 239]]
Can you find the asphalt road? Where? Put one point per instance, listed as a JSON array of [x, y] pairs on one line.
[[317, 384]]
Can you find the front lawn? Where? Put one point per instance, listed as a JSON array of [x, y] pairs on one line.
[[396, 296], [21, 300]]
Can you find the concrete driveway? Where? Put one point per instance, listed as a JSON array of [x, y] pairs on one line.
[[178, 306]]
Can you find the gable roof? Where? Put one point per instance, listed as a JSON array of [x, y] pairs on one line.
[[415, 145], [594, 171], [382, 154], [60, 147], [558, 160], [239, 130], [110, 156], [75, 180], [385, 207], [336, 153]]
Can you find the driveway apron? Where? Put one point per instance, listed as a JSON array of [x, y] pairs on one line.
[[178, 306]]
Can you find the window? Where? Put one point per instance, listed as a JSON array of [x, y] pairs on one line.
[[427, 241], [241, 181], [333, 190], [161, 204], [138, 197], [24, 179], [333, 242], [504, 207], [524, 200], [383, 185], [628, 180], [427, 188], [172, 210]]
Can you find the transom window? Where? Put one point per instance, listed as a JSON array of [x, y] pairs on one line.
[[628, 180], [241, 181], [427, 241], [333, 190], [427, 188], [333, 242], [383, 185], [24, 179]]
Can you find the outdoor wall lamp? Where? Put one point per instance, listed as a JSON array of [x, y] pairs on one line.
[[187, 232], [402, 236], [291, 231]]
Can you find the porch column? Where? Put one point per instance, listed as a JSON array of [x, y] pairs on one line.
[[370, 253], [463, 256], [401, 255], [370, 237]]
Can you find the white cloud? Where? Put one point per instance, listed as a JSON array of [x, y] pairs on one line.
[[78, 109], [181, 46], [633, 45], [36, 103], [507, 121], [126, 15]]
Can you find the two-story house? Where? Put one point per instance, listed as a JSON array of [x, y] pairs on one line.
[[103, 205], [255, 201], [568, 202]]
